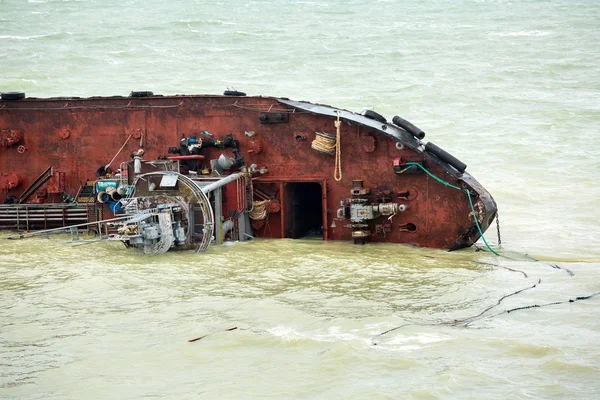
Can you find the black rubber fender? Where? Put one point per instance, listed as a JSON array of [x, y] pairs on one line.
[[445, 156], [12, 96], [142, 93], [408, 127], [374, 115], [233, 93]]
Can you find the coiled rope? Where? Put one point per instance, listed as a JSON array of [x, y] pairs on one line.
[[259, 211], [326, 143]]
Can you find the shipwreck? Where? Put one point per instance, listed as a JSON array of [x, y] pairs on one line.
[[183, 172]]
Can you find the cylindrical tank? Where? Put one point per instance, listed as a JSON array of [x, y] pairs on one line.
[[114, 206], [137, 164]]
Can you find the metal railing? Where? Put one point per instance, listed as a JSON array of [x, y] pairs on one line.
[[44, 216]]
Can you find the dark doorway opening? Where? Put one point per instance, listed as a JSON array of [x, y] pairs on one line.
[[304, 210]]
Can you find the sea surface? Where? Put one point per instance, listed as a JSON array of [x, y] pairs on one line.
[[512, 88]]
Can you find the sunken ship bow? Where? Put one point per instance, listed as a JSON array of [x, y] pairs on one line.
[[254, 166]]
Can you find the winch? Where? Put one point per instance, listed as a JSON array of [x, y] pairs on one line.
[[359, 209]]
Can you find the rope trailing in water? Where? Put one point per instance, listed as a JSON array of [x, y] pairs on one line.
[[555, 266], [202, 337], [467, 321], [259, 211], [506, 268], [337, 172], [579, 298], [457, 322], [443, 182]]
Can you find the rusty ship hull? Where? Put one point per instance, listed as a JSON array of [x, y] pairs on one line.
[[381, 182]]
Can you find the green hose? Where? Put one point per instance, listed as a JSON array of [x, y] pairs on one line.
[[443, 182]]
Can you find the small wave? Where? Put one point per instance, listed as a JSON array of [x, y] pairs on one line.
[[191, 29], [312, 3], [30, 37], [334, 334], [220, 22], [521, 33], [417, 339], [244, 33], [12, 37], [563, 366], [112, 61], [205, 22], [155, 49], [337, 12]]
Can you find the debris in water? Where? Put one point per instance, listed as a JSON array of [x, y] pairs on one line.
[[202, 337]]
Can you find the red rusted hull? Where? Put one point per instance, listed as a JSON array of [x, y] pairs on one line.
[[77, 136]]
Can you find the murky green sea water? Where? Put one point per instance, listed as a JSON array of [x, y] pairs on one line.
[[512, 88]]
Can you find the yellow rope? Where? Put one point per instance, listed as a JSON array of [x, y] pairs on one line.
[[259, 210], [337, 172], [324, 143]]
